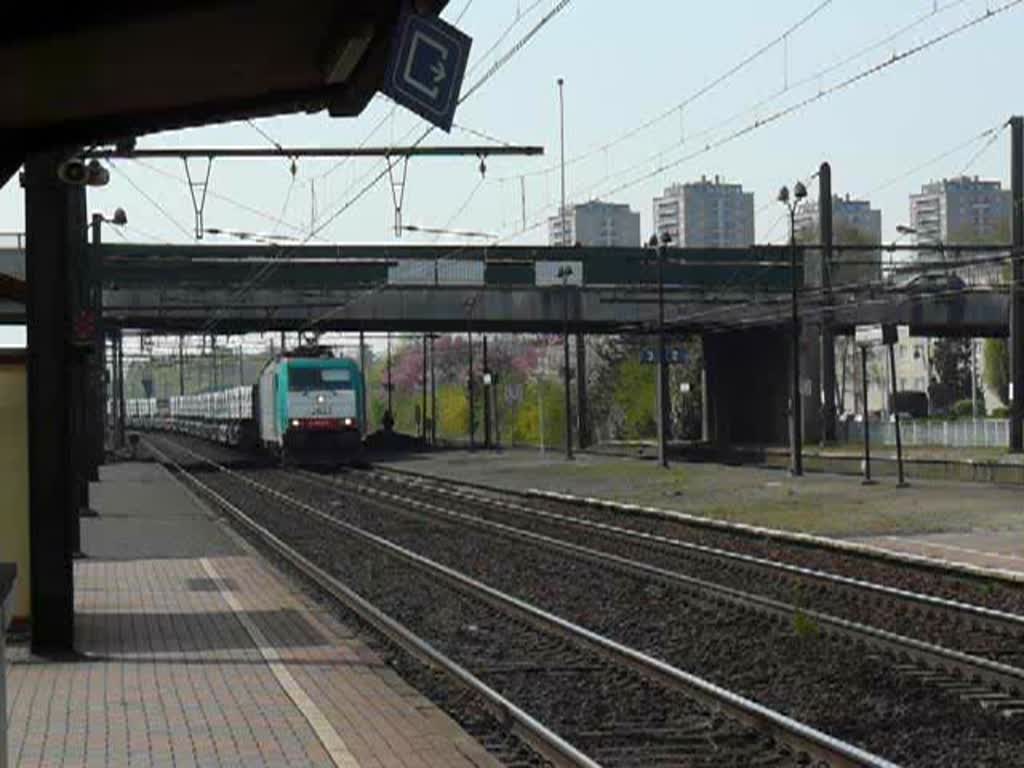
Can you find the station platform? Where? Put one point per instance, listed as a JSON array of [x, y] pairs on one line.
[[980, 525], [192, 650]]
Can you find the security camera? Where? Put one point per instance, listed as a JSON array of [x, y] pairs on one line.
[[79, 173], [73, 171], [98, 176]]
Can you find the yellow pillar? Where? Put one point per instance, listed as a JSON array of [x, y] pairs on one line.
[[14, 536]]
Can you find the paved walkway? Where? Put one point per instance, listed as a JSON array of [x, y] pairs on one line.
[[195, 652], [996, 550]]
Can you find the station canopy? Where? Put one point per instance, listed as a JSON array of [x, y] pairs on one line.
[[85, 73]]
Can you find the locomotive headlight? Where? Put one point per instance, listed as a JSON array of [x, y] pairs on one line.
[[349, 422], [295, 422], [321, 399]]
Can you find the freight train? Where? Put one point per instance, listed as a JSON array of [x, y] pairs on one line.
[[306, 408]]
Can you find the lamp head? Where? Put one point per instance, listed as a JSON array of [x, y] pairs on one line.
[[120, 217], [784, 195]]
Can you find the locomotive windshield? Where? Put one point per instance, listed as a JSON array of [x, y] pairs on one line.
[[307, 379]]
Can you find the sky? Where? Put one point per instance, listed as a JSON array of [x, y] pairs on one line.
[[624, 65]]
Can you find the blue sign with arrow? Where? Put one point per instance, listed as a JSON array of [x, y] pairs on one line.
[[427, 64]]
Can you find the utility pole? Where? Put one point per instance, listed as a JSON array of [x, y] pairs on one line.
[[561, 121], [216, 362], [582, 416], [423, 408], [487, 397], [362, 374], [1016, 341], [896, 410], [662, 383], [796, 461], [827, 338], [867, 423], [120, 388], [390, 386], [181, 365], [433, 393], [472, 390], [796, 423], [565, 272]]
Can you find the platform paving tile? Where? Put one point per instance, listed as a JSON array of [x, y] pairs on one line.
[[214, 661]]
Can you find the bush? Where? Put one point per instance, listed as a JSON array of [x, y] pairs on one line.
[[1002, 412], [964, 409]]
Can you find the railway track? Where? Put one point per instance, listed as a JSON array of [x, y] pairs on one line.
[[974, 630], [612, 704]]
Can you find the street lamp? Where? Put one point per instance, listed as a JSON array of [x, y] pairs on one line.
[[561, 122], [796, 462], [91, 276], [564, 273]]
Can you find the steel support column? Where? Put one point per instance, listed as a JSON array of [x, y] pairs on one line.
[[1016, 340], [97, 375], [487, 397], [828, 349], [433, 392], [362, 374], [582, 414], [661, 380], [471, 386], [80, 359], [50, 236], [181, 365], [119, 384], [423, 407]]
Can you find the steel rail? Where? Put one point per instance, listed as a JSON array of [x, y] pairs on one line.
[[999, 619], [1001, 676], [536, 734], [798, 736], [805, 540]]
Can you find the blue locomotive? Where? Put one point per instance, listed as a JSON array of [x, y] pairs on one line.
[[306, 408], [310, 408]]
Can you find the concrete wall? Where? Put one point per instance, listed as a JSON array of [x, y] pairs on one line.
[[14, 536]]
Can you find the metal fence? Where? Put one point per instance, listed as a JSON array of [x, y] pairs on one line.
[[963, 433]]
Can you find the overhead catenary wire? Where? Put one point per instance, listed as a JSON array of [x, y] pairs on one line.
[[486, 77], [223, 198], [784, 112], [166, 214], [700, 92], [753, 109]]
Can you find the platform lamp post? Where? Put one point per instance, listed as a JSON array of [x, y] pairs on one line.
[[95, 302], [796, 462]]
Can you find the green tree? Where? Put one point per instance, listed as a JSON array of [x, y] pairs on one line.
[[952, 364], [996, 357]]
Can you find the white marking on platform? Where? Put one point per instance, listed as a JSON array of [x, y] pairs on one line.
[[955, 548], [329, 737]]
